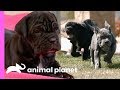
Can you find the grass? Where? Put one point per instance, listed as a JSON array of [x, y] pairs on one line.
[[85, 71]]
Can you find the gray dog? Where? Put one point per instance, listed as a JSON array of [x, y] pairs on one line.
[[103, 42]]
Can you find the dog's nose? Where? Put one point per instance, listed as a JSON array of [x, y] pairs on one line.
[[69, 38], [53, 40]]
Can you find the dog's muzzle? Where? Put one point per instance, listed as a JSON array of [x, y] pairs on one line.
[[47, 53], [47, 58]]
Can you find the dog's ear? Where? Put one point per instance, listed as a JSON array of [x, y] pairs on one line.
[[54, 16], [21, 27], [107, 25], [96, 30]]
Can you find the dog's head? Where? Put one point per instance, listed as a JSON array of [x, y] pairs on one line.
[[74, 29], [70, 30], [40, 29], [104, 37]]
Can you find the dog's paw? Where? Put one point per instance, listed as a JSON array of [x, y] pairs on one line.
[[66, 76], [76, 54], [108, 61], [97, 66]]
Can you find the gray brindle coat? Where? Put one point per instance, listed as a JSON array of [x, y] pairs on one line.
[[103, 42]]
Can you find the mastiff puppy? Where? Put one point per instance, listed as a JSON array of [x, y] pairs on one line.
[[103, 42], [80, 35], [34, 43]]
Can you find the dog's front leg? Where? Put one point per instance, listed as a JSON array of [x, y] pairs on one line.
[[86, 54], [97, 59], [92, 57], [73, 51], [109, 55]]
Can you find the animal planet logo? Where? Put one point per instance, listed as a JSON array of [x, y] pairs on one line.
[[16, 68]]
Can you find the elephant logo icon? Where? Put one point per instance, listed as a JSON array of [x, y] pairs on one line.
[[16, 68]]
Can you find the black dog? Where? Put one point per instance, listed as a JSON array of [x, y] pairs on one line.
[[34, 43], [80, 35]]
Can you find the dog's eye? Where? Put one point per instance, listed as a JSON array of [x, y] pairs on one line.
[[102, 37], [36, 31], [97, 38], [109, 36], [42, 28], [39, 29], [68, 32], [55, 26]]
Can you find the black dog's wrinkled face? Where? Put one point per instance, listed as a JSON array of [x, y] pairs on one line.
[[42, 32], [70, 31], [71, 28], [104, 39]]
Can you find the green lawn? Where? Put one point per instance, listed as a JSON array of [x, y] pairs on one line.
[[85, 71]]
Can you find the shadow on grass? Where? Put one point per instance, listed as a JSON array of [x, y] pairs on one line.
[[115, 66]]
